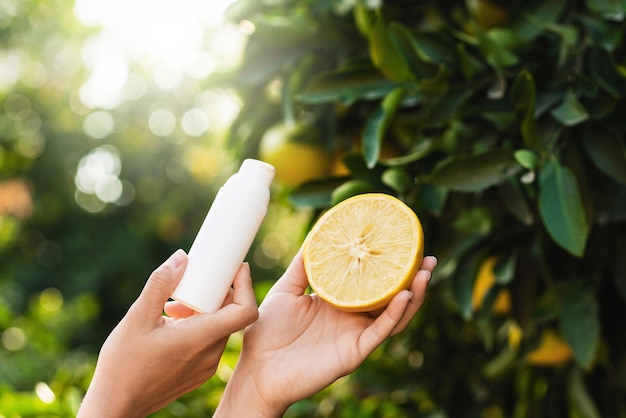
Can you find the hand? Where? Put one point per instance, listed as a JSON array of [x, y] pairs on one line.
[[300, 344], [149, 360]]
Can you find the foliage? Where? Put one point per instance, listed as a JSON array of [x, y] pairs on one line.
[[507, 141], [72, 258], [512, 141]]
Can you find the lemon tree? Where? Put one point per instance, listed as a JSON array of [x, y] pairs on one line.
[[507, 118]]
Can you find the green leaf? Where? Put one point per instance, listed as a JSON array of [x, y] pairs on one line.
[[349, 189], [606, 150], [433, 197], [6, 315], [515, 202], [526, 158], [475, 220], [377, 124], [604, 71], [606, 35], [609, 9], [570, 112], [386, 55], [570, 35], [346, 85], [499, 365], [423, 70], [363, 18], [292, 84], [580, 325], [535, 20], [277, 42], [503, 120], [477, 172], [463, 282], [431, 48], [524, 99], [445, 104], [398, 179], [497, 54], [419, 151], [579, 397], [504, 270], [546, 307], [317, 194], [470, 65], [561, 208]]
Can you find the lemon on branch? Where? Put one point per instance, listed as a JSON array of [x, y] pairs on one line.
[[296, 152]]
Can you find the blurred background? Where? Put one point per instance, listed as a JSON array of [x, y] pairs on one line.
[[499, 122]]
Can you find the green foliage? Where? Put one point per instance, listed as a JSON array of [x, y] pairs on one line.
[[512, 146], [72, 261], [508, 142]]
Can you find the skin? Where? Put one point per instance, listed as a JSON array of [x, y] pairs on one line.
[[300, 344], [149, 360]]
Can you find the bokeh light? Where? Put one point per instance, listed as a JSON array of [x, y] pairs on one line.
[[45, 393], [162, 122], [14, 338], [167, 36], [99, 124], [98, 176]]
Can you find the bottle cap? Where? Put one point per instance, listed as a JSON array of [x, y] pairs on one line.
[[258, 170]]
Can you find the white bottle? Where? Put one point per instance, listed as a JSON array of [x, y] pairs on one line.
[[225, 237]]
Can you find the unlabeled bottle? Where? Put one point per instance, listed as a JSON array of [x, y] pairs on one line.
[[225, 237]]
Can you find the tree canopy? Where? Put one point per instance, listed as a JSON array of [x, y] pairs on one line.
[[499, 123]]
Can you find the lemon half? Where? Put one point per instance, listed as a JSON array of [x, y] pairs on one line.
[[363, 251]]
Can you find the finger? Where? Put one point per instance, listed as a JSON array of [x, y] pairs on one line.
[[418, 288], [429, 263], [400, 310], [384, 324], [418, 291], [243, 292], [229, 297], [177, 310], [237, 315], [161, 284], [294, 279]]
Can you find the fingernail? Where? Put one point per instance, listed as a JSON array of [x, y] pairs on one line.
[[410, 295], [177, 259], [429, 276]]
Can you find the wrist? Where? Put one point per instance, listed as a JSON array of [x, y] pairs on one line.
[[107, 404], [242, 398]]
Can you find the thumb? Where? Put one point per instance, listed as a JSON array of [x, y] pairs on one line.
[[161, 284]]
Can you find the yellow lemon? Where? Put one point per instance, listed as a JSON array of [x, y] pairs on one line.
[[514, 335], [485, 279], [363, 251], [293, 151], [552, 350], [488, 13]]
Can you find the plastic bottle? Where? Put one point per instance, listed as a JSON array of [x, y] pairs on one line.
[[225, 237]]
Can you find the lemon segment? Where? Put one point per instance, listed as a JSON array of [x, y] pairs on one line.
[[363, 251]]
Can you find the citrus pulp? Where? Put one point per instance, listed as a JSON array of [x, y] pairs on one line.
[[363, 251]]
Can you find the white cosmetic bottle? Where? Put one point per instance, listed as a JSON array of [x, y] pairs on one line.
[[225, 237]]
